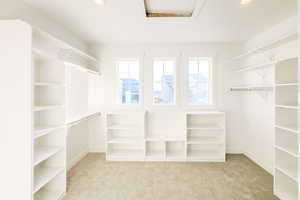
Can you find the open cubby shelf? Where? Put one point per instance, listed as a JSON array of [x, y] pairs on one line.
[[286, 130], [202, 138]]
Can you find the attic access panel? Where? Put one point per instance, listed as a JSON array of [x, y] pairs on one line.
[[170, 8]]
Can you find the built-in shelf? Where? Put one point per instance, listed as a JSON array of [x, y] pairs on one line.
[[289, 174], [204, 127], [42, 176], [44, 194], [128, 139], [44, 152], [286, 84], [291, 106], [44, 130], [289, 151], [49, 84], [123, 127], [271, 44], [47, 107], [255, 67], [127, 153], [290, 127], [164, 138]]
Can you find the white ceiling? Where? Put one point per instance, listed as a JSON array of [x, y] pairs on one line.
[[123, 21]]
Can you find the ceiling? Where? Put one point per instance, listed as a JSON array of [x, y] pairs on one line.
[[124, 21]]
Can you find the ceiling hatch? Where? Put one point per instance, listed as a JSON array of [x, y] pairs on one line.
[[170, 8]]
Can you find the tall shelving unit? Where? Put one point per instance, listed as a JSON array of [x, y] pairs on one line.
[[286, 130], [49, 166], [202, 140], [36, 126]]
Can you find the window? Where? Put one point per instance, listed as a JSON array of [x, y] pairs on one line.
[[129, 83], [199, 81], [164, 82]]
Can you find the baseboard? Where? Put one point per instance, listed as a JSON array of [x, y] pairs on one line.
[[233, 151], [260, 163], [75, 160]]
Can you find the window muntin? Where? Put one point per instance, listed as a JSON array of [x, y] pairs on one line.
[[199, 82], [164, 82], [129, 82]]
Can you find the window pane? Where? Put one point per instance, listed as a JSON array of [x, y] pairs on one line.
[[199, 82], [163, 82], [129, 82]]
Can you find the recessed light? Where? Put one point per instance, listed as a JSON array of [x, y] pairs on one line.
[[244, 2], [99, 2]]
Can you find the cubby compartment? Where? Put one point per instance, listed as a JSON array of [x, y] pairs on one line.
[[286, 71], [126, 121], [205, 121], [54, 189], [126, 151], [49, 96], [287, 96], [155, 150], [285, 187], [204, 136], [48, 169], [287, 118], [175, 150], [287, 141], [287, 164], [48, 70], [206, 152], [124, 136]]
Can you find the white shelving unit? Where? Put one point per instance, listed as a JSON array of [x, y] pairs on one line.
[[49, 111], [203, 138], [286, 130]]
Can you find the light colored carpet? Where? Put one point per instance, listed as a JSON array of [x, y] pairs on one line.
[[93, 178]]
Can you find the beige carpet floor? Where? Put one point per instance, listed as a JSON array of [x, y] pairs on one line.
[[238, 179]]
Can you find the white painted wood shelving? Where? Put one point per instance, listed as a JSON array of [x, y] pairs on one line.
[[202, 140], [286, 130], [37, 126]]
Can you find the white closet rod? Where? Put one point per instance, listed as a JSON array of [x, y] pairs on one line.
[[85, 118], [249, 89]]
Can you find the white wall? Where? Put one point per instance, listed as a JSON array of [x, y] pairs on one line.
[[17, 9], [258, 107], [158, 115]]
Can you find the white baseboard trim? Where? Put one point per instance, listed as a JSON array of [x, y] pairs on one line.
[[75, 160], [265, 166]]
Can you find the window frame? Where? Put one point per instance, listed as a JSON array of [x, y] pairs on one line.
[[212, 84], [118, 95], [174, 103]]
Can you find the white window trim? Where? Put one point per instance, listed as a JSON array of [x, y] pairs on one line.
[[118, 99], [212, 89], [174, 103]]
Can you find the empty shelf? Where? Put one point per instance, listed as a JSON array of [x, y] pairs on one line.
[[126, 140], [44, 152], [289, 151], [176, 154], [204, 155], [285, 172], [48, 195], [286, 84], [48, 107], [49, 84], [288, 106], [205, 127], [126, 153], [165, 138], [44, 130], [123, 127], [42, 176], [200, 140], [291, 128], [155, 154], [206, 113]]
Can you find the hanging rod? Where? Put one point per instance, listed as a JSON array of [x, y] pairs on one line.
[[85, 118], [255, 88]]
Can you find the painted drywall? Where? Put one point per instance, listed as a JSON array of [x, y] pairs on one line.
[[168, 118], [257, 108]]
